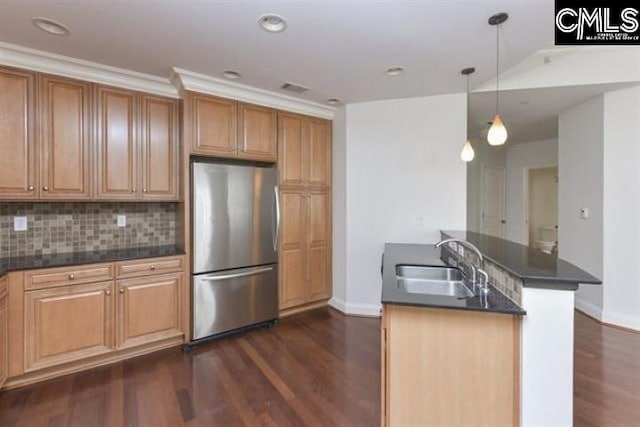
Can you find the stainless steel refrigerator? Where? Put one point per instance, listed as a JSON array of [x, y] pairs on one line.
[[235, 227]]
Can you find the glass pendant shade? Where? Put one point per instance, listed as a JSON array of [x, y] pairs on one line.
[[497, 132], [467, 153]]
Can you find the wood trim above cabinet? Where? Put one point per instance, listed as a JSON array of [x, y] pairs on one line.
[[17, 135], [65, 139]]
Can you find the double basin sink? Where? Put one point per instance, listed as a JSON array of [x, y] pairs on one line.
[[432, 280]]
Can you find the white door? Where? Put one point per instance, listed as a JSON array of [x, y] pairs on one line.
[[493, 196]]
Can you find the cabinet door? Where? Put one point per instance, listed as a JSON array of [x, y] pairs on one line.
[[17, 143], [68, 323], [214, 125], [293, 242], [159, 148], [148, 309], [257, 133], [4, 334], [65, 139], [291, 149], [117, 143], [319, 152], [319, 245]]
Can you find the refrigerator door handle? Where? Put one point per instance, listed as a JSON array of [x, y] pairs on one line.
[[224, 276], [276, 234]]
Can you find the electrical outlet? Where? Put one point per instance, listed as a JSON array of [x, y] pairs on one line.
[[584, 213], [121, 220], [19, 223]]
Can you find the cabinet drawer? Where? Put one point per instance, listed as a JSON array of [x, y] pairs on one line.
[[149, 266], [60, 276]]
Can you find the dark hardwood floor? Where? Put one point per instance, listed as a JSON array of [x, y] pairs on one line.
[[607, 375], [318, 368]]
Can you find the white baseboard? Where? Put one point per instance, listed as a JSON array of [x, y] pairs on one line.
[[351, 309], [589, 309], [628, 322]]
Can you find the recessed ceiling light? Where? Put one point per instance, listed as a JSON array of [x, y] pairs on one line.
[[231, 75], [394, 71], [272, 23], [333, 101], [50, 26]]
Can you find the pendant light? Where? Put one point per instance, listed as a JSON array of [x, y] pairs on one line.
[[467, 153], [497, 132]]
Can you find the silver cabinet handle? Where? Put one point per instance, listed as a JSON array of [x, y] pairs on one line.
[[30, 188], [107, 293], [122, 290], [133, 190], [144, 190], [276, 237], [45, 188], [223, 276], [153, 267], [71, 276]]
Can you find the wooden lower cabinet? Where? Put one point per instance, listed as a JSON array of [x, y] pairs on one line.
[[4, 330], [444, 367], [68, 323], [148, 309], [305, 251]]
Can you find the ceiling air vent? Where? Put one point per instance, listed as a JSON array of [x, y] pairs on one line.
[[292, 87]]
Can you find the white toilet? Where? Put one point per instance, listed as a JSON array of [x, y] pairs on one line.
[[547, 239]]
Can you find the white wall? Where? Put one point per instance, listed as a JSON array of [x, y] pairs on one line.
[[404, 182], [521, 157], [580, 151], [339, 204], [622, 208], [486, 155]]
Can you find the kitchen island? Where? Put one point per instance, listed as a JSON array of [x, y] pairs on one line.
[[506, 359]]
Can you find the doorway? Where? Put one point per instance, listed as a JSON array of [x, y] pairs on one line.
[[493, 201], [542, 201]]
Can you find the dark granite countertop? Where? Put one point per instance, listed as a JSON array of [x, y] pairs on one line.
[[399, 253], [535, 268], [78, 258]]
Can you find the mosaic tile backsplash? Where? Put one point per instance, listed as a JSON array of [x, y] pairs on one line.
[[78, 227], [505, 282]]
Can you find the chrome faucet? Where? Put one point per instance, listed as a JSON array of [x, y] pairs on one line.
[[484, 285]]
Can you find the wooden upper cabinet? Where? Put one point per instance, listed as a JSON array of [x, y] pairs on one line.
[[116, 143], [293, 242], [319, 245], [319, 152], [291, 149], [17, 139], [257, 132], [214, 125], [65, 160], [159, 148]]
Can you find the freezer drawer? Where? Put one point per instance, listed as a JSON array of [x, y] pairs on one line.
[[231, 299]]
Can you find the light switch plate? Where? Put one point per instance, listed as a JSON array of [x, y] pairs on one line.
[[121, 220], [19, 223]]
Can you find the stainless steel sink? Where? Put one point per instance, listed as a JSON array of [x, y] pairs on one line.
[[419, 279]]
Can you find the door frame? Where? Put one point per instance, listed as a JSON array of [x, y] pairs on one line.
[[504, 197], [525, 198]]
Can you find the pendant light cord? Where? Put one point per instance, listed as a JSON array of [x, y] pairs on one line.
[[497, 68], [468, 104]]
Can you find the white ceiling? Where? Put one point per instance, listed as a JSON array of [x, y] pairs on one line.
[[530, 114], [337, 48]]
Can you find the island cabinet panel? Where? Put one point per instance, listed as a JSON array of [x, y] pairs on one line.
[[4, 329], [160, 178], [293, 243], [117, 156], [17, 135], [214, 125], [68, 323], [148, 309], [449, 367], [292, 149], [65, 135], [257, 132]]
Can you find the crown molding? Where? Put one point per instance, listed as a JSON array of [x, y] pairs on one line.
[[37, 60], [189, 80]]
